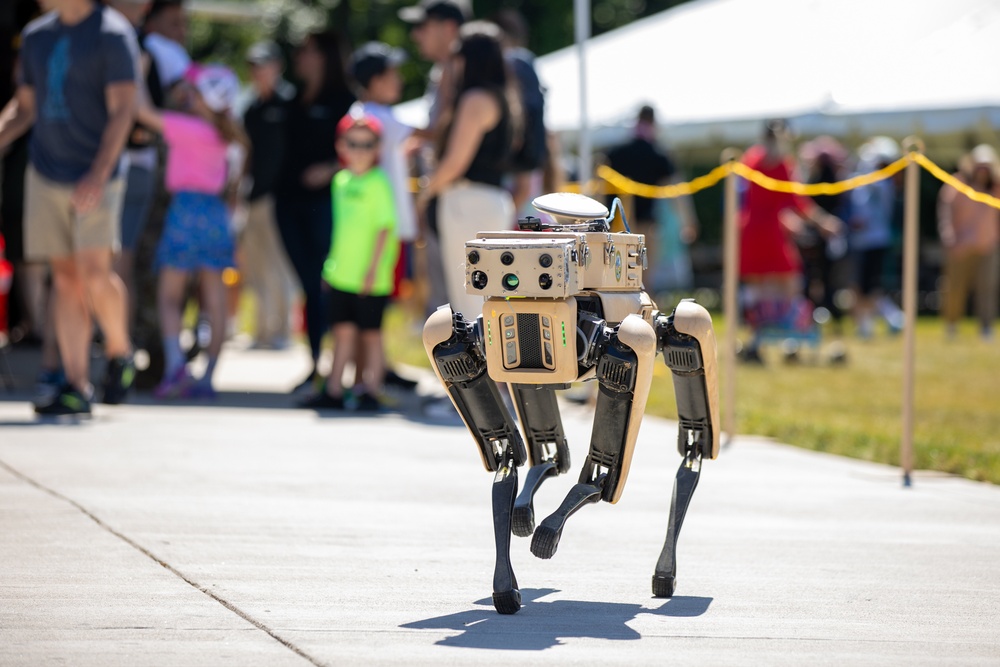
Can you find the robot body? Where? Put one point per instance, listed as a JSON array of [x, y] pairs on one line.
[[564, 303]]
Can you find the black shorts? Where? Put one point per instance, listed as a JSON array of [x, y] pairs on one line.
[[365, 312], [870, 270]]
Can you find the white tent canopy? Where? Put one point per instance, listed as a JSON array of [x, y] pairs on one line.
[[833, 63], [713, 69]]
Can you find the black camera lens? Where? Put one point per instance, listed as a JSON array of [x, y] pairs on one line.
[[479, 279], [510, 281], [545, 281], [474, 257], [507, 258], [545, 261]]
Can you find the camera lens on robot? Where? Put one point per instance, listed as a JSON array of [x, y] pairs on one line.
[[545, 281], [473, 257], [545, 261], [507, 259], [479, 279], [510, 282]]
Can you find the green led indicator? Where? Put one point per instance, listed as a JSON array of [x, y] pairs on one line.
[[489, 331], [564, 333]]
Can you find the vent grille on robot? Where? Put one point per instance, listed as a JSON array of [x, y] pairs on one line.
[[528, 332], [682, 359], [605, 459], [459, 367], [616, 373]]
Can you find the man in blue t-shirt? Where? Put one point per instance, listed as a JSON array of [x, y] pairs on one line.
[[77, 88]]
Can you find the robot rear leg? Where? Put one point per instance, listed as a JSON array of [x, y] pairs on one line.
[[538, 409], [688, 344]]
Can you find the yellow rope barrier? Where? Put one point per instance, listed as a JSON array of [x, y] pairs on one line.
[[627, 186], [813, 189], [945, 177]]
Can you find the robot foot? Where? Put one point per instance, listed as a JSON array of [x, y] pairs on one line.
[[546, 538], [523, 518], [507, 602], [664, 586]]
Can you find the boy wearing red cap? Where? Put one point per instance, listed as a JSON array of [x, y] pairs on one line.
[[360, 266]]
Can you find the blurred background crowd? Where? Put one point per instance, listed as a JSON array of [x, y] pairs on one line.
[[270, 116]]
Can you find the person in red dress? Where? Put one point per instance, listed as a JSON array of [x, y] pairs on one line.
[[770, 264]]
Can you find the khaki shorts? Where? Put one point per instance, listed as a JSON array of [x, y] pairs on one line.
[[53, 228]]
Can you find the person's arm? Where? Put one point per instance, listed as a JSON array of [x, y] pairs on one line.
[[827, 224], [384, 213], [946, 226], [120, 98], [320, 174], [17, 117], [146, 114], [383, 235], [478, 112]]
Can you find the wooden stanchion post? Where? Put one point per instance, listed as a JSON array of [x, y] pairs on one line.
[[730, 286], [911, 228]]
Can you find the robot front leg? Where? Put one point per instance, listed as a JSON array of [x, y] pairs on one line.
[[688, 343], [625, 372], [548, 450], [453, 345]]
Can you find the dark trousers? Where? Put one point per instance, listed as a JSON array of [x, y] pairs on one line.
[[305, 222]]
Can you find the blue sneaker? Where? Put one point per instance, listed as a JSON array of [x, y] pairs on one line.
[[48, 383]]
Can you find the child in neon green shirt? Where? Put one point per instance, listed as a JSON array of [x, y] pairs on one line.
[[362, 260]]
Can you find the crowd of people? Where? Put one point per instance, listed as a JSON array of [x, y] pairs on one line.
[[306, 189], [837, 252]]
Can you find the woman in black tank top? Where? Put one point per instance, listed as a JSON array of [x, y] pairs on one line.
[[474, 156]]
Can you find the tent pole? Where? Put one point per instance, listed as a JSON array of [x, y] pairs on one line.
[[730, 285], [911, 211], [581, 20]]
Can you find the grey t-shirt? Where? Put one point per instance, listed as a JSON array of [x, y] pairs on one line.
[[69, 68]]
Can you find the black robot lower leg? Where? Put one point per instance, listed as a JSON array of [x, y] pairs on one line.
[[547, 447]]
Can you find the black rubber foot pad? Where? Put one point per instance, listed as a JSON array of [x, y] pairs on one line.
[[522, 521], [507, 602], [663, 587], [545, 542]]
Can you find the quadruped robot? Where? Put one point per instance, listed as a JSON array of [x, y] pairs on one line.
[[564, 302]]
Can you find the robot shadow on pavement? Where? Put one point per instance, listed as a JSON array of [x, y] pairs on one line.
[[564, 302]]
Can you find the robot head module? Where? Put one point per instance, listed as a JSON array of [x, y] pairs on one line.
[[533, 278], [577, 252]]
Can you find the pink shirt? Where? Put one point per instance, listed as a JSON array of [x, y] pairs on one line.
[[196, 156]]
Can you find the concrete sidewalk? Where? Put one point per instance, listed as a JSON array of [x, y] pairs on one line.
[[251, 533]]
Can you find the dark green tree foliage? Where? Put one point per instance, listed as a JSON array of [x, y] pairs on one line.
[[551, 23]]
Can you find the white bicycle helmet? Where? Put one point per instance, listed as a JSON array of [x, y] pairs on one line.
[[217, 85]]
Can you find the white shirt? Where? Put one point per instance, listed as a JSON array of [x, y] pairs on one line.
[[170, 58], [393, 161]]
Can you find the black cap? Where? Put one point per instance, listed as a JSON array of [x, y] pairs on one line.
[[455, 10], [372, 59], [264, 52]]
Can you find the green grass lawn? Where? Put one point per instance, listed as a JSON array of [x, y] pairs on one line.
[[853, 409]]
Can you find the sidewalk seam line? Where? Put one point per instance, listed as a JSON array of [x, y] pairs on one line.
[[177, 573]]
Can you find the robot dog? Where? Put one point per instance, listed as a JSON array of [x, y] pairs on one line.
[[564, 302]]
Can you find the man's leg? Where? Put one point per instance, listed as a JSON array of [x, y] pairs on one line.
[[72, 321], [108, 299]]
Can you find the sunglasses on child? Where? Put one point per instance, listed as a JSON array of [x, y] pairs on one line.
[[361, 145]]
